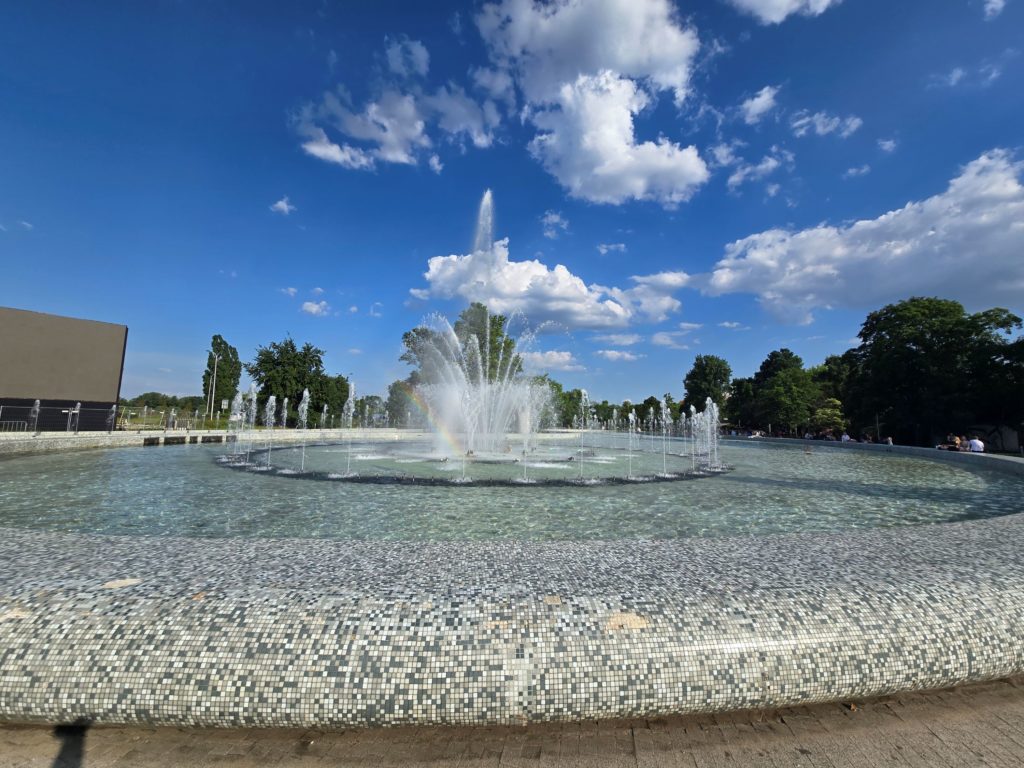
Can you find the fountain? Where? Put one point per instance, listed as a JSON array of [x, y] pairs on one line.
[[487, 419]]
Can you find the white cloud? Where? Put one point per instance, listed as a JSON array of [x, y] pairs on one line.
[[606, 248], [455, 24], [554, 224], [355, 351], [407, 57], [690, 326], [496, 83], [620, 339], [775, 11], [457, 114], [26, 225], [353, 309], [671, 339], [963, 243], [548, 45], [283, 207], [989, 72], [316, 308], [393, 123], [322, 148], [586, 71], [587, 142], [724, 154], [391, 127], [823, 123], [769, 164], [289, 291], [618, 355], [993, 8], [542, 293], [887, 145], [772, 189], [664, 280], [860, 170], [952, 79], [732, 325], [759, 105], [375, 309], [317, 291], [552, 360], [748, 172], [980, 75]]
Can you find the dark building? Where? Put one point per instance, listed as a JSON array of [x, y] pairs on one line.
[[60, 361]]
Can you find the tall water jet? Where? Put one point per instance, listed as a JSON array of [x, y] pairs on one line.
[[584, 417], [250, 418], [269, 417], [349, 408], [303, 411], [483, 239], [347, 411], [666, 417]]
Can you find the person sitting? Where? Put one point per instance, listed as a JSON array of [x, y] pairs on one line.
[[975, 445], [846, 437]]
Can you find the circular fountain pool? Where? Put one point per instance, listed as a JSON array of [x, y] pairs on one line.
[[770, 489], [260, 598]]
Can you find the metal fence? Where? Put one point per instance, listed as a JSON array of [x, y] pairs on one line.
[[37, 418]]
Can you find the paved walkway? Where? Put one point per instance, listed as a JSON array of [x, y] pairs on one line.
[[978, 725]]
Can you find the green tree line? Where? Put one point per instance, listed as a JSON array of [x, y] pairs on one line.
[[924, 367]]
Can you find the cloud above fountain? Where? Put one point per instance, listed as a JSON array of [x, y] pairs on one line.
[[490, 276]]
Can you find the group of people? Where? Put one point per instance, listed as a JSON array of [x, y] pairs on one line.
[[957, 443]]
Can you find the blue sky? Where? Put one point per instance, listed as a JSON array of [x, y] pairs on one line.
[[670, 178]]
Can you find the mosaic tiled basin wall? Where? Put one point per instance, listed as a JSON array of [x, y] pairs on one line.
[[327, 633]]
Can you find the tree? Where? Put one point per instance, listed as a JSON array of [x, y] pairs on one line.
[[400, 405], [229, 371], [284, 370], [828, 416], [787, 399], [604, 411], [925, 367], [551, 412], [776, 362], [482, 337], [709, 377], [651, 405], [741, 407], [492, 341], [330, 390], [832, 376], [369, 410], [570, 407]]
